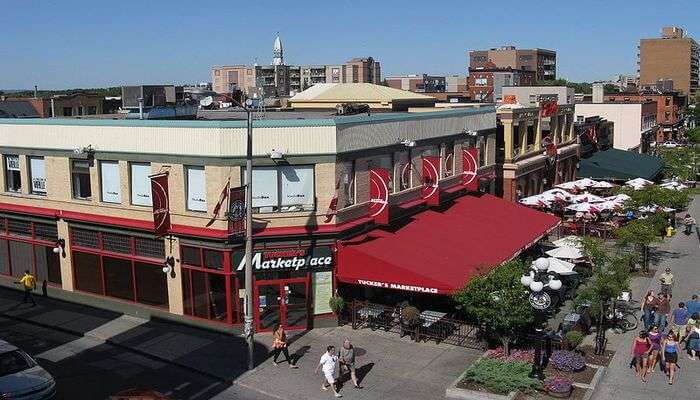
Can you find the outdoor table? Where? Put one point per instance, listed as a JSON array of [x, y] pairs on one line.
[[370, 311], [430, 326], [431, 317]]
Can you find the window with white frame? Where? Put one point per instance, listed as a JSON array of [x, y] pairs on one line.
[[140, 184], [285, 188], [196, 189], [37, 175], [13, 176], [109, 179], [80, 179]]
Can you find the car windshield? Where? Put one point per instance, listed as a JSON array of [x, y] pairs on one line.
[[12, 362]]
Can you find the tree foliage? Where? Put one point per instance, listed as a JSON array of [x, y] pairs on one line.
[[655, 195], [680, 161], [579, 87], [693, 135], [107, 92], [611, 275], [499, 302]]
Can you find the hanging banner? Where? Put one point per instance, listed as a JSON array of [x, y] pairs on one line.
[[548, 108], [332, 208], [161, 204], [549, 146], [379, 195], [236, 211], [431, 177], [470, 164]]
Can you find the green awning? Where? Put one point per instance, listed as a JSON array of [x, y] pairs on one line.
[[619, 165]]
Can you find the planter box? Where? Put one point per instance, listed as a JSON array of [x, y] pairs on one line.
[[456, 393]]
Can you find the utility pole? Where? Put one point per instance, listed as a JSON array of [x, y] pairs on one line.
[[249, 328]]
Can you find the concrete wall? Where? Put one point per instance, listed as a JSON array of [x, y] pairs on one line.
[[565, 95], [627, 120]]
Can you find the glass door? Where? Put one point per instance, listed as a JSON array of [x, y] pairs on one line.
[[269, 301], [295, 305], [282, 302]]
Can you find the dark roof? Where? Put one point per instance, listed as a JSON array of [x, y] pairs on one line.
[[17, 109], [619, 165]]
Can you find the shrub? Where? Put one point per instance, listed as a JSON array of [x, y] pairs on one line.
[[567, 361], [558, 384], [410, 314], [336, 303], [503, 376], [574, 338]]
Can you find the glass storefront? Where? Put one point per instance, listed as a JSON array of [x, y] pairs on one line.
[[208, 285], [27, 245]]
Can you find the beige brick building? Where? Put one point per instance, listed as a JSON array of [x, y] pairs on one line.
[[673, 56]]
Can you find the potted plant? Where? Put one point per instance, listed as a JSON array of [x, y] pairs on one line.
[[558, 386], [567, 361], [336, 304], [410, 316], [573, 339]]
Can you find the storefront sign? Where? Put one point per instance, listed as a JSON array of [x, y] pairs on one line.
[[288, 259], [161, 205], [323, 289], [470, 164], [236, 211], [431, 177], [397, 286], [379, 195]]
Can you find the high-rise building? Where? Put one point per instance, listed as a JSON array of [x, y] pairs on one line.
[[542, 62], [673, 56], [279, 79]]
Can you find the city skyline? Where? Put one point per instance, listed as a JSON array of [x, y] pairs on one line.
[[102, 46]]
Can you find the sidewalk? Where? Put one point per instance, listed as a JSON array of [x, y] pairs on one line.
[[682, 254]]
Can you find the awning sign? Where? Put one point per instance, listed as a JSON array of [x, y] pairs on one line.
[[431, 177], [398, 286], [470, 165], [287, 259], [379, 195]]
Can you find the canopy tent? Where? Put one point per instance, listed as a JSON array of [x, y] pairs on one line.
[[584, 182], [565, 252], [639, 182], [556, 195], [675, 185], [569, 186], [619, 165], [618, 198]]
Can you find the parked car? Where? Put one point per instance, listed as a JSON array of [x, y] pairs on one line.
[[670, 144], [21, 378]]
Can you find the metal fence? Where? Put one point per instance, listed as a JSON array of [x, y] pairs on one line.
[[436, 327]]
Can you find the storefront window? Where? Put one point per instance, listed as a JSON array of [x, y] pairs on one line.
[[213, 259], [204, 284], [21, 256], [86, 268], [119, 281], [151, 285], [29, 246], [4, 258], [48, 264]]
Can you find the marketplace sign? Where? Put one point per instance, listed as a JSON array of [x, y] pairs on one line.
[[287, 259], [397, 286]]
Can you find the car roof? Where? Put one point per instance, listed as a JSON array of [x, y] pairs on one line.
[[5, 347]]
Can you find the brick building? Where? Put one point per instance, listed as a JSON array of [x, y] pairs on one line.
[[542, 62], [674, 56], [670, 108], [486, 83]]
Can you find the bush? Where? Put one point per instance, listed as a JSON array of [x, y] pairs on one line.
[[574, 338], [336, 303], [503, 377], [567, 361], [558, 384]]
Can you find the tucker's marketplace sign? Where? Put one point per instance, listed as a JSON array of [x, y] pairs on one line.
[[287, 259]]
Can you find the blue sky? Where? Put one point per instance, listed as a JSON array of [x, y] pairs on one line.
[[70, 43]]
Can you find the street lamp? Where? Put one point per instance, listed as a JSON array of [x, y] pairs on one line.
[[536, 280]]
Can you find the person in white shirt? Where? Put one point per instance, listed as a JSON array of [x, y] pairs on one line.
[[327, 364]]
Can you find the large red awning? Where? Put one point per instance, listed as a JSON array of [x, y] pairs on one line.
[[440, 250]]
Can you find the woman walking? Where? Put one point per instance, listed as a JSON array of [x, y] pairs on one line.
[[655, 338], [648, 306], [279, 345], [347, 361], [670, 355], [640, 351]]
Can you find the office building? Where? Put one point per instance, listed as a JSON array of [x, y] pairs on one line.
[[673, 56]]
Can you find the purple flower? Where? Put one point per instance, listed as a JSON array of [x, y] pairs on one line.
[[567, 361], [558, 384]]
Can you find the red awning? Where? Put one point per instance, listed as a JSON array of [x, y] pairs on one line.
[[438, 251]]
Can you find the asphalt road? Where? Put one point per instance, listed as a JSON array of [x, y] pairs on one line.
[[101, 371]]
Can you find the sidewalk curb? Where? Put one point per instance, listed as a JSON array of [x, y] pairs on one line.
[[210, 375]]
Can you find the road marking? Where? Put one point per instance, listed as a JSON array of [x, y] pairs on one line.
[[92, 338], [205, 390]]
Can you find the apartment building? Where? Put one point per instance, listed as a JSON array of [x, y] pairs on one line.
[[542, 62], [419, 83], [635, 122], [486, 83], [673, 56]]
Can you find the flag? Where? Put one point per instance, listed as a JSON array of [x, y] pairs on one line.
[[548, 108], [431, 177], [236, 211], [161, 204], [379, 195], [332, 208], [217, 207]]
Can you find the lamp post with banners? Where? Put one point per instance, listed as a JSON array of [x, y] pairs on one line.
[[536, 280]]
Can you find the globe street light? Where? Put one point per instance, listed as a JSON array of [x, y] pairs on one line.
[[536, 280]]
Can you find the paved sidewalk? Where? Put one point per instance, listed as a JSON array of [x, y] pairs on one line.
[[682, 254]]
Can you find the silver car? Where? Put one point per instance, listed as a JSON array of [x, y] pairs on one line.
[[21, 378]]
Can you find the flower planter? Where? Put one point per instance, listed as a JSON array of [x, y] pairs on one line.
[[559, 395]]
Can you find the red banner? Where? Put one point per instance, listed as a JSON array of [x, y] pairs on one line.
[[379, 195], [548, 108], [470, 165], [550, 146], [332, 208], [161, 204], [236, 211], [431, 177]]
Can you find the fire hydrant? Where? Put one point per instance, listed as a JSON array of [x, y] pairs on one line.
[[669, 231]]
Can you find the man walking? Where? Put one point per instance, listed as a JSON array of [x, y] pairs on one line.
[[327, 364], [347, 361], [666, 280], [28, 282], [663, 309]]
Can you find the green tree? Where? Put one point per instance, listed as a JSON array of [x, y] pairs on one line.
[[681, 161], [579, 87], [610, 276], [610, 88], [638, 234], [693, 135], [498, 302], [654, 195]]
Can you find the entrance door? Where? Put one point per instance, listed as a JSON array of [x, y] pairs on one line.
[[281, 302]]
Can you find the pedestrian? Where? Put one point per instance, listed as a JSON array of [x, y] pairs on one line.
[[688, 221], [669, 356], [640, 352], [347, 361], [279, 345], [649, 304], [693, 305], [663, 309], [666, 280], [679, 318], [693, 341], [28, 282], [327, 363], [655, 337]]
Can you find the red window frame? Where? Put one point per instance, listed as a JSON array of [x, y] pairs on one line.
[[32, 239], [100, 252]]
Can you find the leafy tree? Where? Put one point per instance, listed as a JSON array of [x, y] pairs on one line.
[[693, 135], [611, 275], [499, 302], [655, 195], [680, 161], [610, 88], [639, 234], [579, 87]]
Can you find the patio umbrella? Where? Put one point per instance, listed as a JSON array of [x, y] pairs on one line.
[[609, 205], [583, 207], [585, 182], [587, 198], [556, 195], [565, 252], [569, 186], [536, 201], [603, 185], [570, 241], [620, 198], [673, 185], [649, 209], [561, 267], [639, 182]]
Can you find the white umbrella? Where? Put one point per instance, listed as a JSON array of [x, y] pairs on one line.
[[619, 198], [561, 267], [556, 192], [649, 209], [583, 207], [585, 182], [609, 205], [639, 182], [674, 185], [568, 186], [570, 241], [586, 198], [603, 185], [565, 252], [537, 201]]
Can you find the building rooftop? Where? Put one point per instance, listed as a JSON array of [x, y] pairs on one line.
[[355, 92]]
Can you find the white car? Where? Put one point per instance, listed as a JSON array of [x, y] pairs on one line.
[[21, 378], [670, 144]]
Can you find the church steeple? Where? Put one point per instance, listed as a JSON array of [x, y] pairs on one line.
[[277, 52]]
